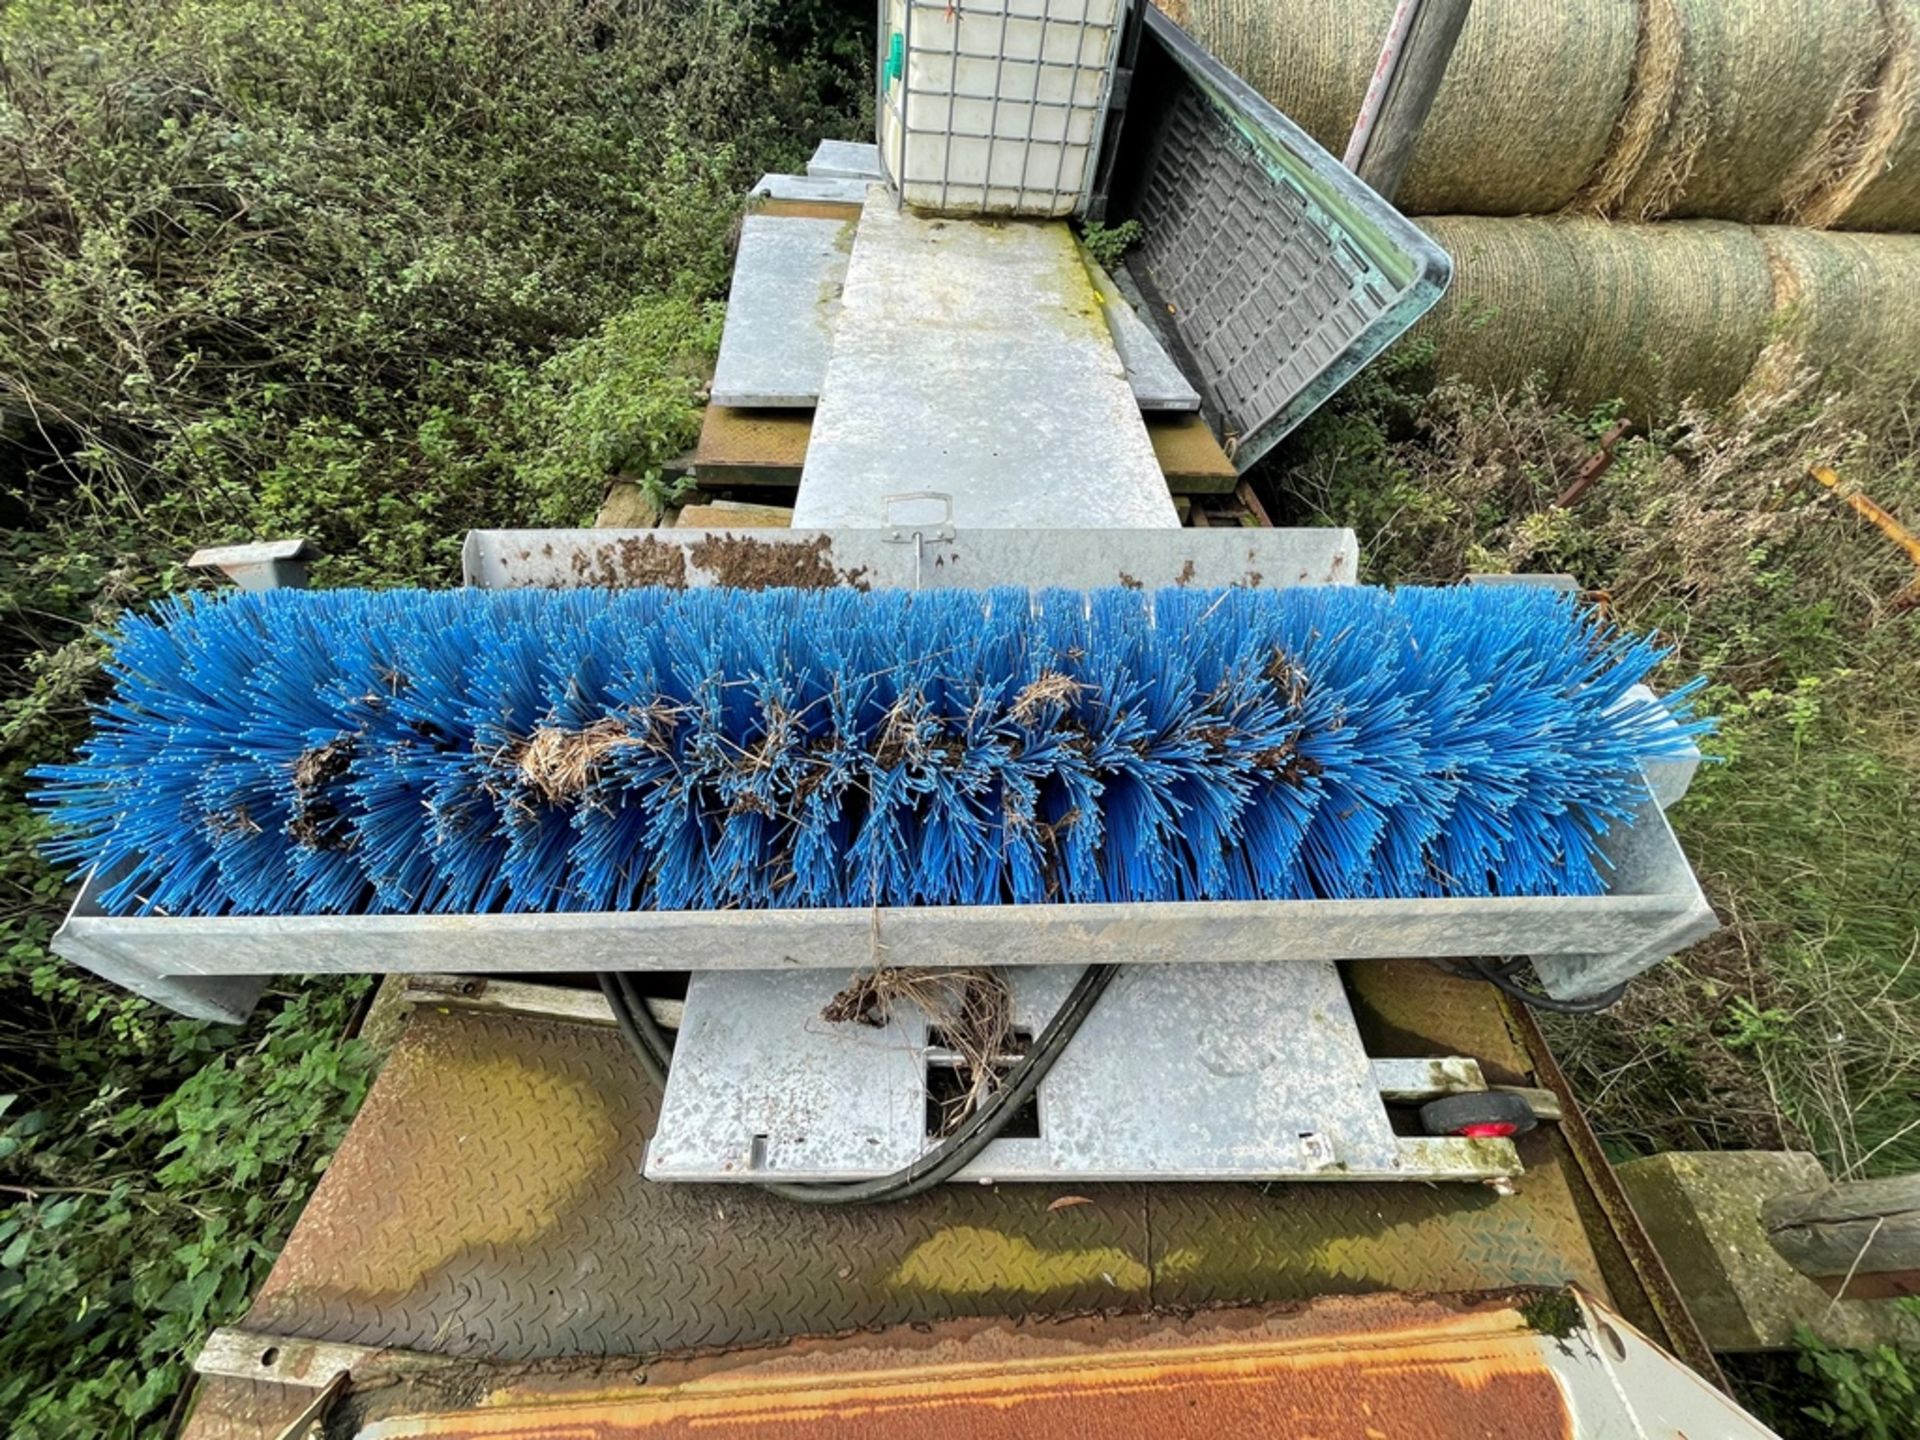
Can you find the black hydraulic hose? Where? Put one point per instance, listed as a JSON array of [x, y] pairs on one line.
[[1500, 973], [628, 1018], [953, 1152]]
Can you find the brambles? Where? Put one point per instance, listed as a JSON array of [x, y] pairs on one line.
[[367, 271]]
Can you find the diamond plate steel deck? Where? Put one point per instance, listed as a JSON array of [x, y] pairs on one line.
[[488, 1204]]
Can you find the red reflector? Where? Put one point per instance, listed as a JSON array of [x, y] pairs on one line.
[[1488, 1130]]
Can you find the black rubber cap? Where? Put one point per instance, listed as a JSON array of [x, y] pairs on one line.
[[1457, 1114]]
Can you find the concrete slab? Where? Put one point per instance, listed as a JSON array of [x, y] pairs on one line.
[[972, 360], [787, 280], [1702, 1211], [845, 160]]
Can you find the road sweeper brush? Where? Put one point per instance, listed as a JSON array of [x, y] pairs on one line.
[[340, 753]]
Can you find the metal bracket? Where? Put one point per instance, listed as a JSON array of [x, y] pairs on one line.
[[898, 533], [263, 565], [1249, 1073]]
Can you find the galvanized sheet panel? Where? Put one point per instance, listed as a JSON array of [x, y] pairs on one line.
[[1655, 908], [1200, 1072], [781, 309], [971, 359], [873, 558], [845, 160]]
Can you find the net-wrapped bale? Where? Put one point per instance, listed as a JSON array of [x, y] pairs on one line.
[[1650, 315], [1509, 276], [1631, 109], [1521, 120], [1759, 94], [1845, 305], [1871, 178]]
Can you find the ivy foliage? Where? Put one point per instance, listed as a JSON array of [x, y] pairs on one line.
[[373, 272]]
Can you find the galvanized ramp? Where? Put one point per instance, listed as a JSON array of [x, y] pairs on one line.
[[845, 160], [781, 310], [788, 275], [809, 189], [972, 359], [1156, 380]]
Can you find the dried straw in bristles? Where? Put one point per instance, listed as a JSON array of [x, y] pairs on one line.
[[558, 764], [1524, 114]]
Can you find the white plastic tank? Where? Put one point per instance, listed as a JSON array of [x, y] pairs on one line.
[[995, 107]]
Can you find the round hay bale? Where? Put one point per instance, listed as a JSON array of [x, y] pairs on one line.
[[1760, 92], [1672, 313], [1649, 315], [1658, 60], [1845, 305], [1521, 120], [1873, 180], [1509, 315]]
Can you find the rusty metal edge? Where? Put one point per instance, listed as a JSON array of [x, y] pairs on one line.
[[1681, 1333]]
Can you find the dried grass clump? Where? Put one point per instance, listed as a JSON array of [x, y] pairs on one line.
[[1759, 93], [1872, 178], [972, 1010], [1659, 58], [1844, 305], [1046, 690]]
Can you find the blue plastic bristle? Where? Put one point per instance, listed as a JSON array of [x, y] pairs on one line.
[[469, 751]]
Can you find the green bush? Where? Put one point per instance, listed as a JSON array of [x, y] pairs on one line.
[[1873, 1394], [1799, 1024], [150, 1206], [369, 271]]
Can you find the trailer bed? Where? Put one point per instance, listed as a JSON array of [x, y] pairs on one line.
[[487, 1210]]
